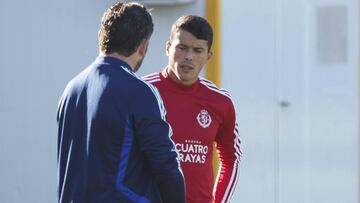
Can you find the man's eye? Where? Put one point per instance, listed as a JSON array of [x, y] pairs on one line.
[[198, 50]]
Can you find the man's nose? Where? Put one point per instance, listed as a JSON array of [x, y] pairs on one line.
[[189, 55]]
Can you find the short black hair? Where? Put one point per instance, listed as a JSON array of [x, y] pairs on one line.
[[196, 25], [123, 27]]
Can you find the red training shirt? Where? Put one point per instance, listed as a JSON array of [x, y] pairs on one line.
[[201, 114]]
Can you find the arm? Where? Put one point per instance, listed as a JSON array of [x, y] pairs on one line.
[[228, 146], [155, 141]]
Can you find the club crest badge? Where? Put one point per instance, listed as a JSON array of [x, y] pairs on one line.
[[204, 118]]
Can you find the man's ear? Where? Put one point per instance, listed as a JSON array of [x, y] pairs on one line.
[[167, 47], [143, 47], [210, 54]]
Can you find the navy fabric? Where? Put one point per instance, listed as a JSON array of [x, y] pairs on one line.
[[113, 142]]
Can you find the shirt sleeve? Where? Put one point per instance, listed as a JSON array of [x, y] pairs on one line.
[[154, 137], [228, 146]]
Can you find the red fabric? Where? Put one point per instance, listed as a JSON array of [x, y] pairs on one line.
[[200, 115]]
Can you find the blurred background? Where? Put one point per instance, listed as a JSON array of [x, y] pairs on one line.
[[291, 66]]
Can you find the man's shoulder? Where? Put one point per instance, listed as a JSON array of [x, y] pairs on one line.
[[77, 82], [152, 78], [214, 91], [144, 89]]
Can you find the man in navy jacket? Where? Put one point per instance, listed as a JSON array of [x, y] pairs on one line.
[[114, 144]]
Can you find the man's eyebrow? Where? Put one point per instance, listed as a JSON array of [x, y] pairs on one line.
[[181, 44], [197, 47]]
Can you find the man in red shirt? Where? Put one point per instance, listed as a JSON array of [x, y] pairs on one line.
[[199, 112]]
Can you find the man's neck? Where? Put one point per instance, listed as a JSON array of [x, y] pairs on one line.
[[129, 60]]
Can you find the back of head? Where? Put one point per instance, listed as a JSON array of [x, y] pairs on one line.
[[123, 27], [196, 25]]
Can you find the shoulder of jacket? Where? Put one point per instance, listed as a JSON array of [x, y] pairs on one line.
[[152, 78], [214, 88]]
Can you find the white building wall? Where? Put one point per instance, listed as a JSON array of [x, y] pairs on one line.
[[292, 67], [248, 72]]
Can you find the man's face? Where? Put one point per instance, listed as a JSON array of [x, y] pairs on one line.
[[187, 56]]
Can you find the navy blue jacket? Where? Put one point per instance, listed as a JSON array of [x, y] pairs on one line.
[[113, 141]]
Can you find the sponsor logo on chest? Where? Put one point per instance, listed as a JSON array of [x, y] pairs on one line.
[[204, 118], [192, 151]]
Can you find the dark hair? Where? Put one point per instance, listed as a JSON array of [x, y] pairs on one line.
[[196, 25], [123, 27]]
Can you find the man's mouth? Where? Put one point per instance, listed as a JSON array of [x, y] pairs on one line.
[[186, 67]]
